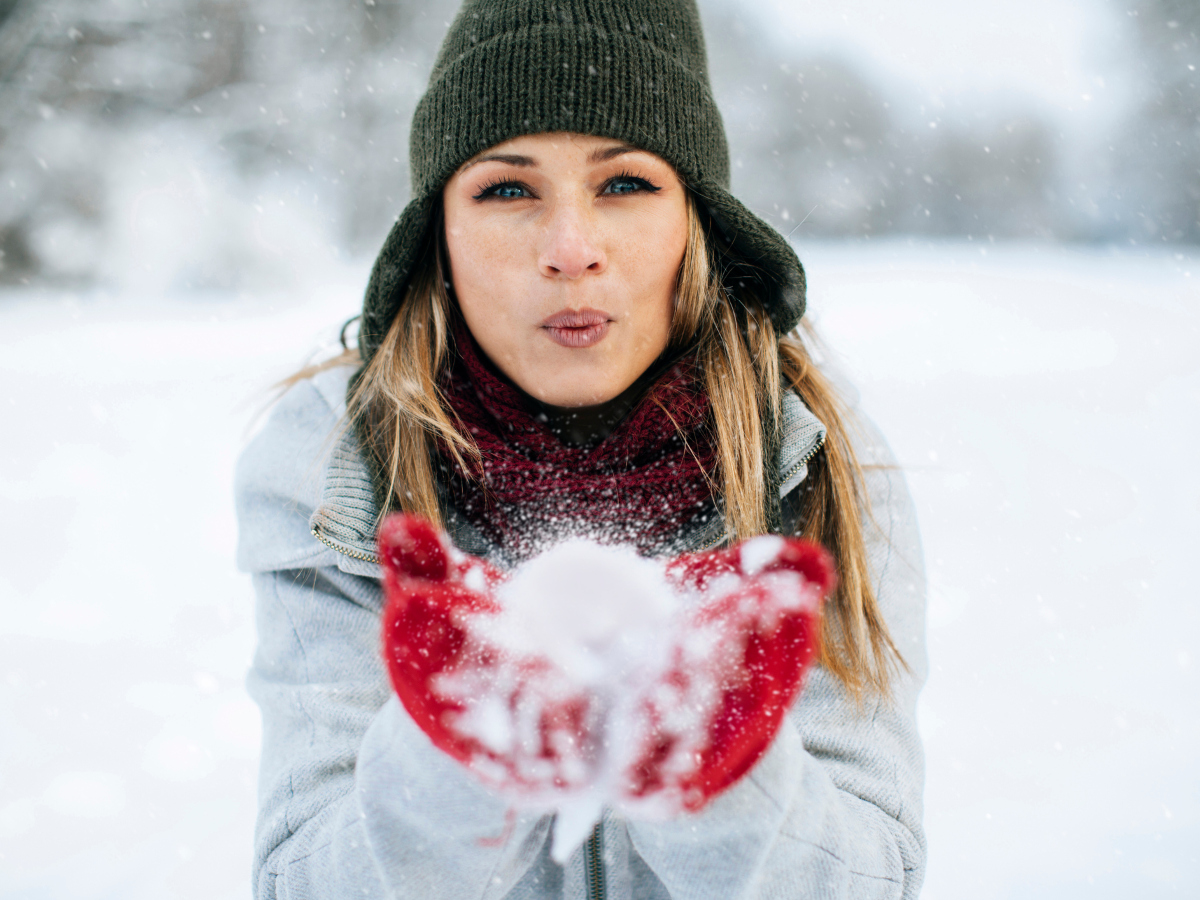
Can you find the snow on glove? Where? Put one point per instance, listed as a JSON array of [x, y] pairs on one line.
[[738, 663], [595, 677], [504, 715]]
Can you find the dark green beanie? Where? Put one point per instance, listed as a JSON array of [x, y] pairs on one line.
[[631, 70]]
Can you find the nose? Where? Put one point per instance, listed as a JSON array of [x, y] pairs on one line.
[[572, 247]]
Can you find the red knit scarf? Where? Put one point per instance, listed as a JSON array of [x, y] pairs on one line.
[[641, 485]]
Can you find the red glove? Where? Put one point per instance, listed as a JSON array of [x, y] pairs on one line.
[[674, 733], [505, 718], [737, 666]]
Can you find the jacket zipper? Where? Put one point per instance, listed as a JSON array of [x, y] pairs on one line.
[[344, 550], [816, 448], [593, 864], [790, 472]]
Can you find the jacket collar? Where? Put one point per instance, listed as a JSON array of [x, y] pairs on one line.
[[346, 517]]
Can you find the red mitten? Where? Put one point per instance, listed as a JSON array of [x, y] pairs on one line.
[[737, 666], [509, 719], [595, 677]]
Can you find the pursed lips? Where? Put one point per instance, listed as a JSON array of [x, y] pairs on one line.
[[577, 328]]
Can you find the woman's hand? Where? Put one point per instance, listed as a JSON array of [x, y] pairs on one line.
[[594, 677]]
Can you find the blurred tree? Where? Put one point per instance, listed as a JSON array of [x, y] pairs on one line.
[[80, 80], [809, 137], [184, 136], [1158, 155], [312, 98], [814, 141], [992, 178]]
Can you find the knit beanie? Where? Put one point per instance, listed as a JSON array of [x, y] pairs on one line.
[[631, 70]]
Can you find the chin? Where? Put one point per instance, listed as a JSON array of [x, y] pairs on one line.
[[568, 399], [561, 389]]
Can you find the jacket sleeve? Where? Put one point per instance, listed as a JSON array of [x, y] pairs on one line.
[[834, 809], [354, 801]]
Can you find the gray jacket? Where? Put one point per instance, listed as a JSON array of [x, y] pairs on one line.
[[356, 803]]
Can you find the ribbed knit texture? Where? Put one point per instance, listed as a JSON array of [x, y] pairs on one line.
[[642, 485], [631, 70]]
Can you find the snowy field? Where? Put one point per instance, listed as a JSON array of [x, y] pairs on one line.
[[1045, 405]]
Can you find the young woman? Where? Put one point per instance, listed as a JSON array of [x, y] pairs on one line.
[[574, 328]]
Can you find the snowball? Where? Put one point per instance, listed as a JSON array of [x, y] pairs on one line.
[[593, 610], [595, 665]]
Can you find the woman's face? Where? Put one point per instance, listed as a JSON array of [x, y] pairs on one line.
[[564, 253]]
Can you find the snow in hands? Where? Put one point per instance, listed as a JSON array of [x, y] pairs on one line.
[[594, 677]]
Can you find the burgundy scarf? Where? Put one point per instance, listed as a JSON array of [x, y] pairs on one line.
[[641, 485]]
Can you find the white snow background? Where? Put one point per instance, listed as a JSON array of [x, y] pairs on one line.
[[1044, 404]]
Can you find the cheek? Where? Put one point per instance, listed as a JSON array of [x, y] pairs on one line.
[[656, 254], [486, 272], [493, 271], [477, 255]]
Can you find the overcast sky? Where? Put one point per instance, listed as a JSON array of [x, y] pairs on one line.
[[1068, 55]]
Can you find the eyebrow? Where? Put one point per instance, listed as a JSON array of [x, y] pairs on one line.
[[606, 153], [510, 158], [527, 162]]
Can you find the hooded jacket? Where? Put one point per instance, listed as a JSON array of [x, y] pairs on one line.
[[355, 802]]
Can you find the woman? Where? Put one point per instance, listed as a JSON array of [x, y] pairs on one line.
[[575, 328]]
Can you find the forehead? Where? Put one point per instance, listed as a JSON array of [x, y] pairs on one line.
[[545, 149]]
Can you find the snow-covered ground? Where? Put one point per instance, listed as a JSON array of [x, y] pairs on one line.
[[1044, 403]]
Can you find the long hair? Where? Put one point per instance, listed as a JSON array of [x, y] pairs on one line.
[[401, 416]]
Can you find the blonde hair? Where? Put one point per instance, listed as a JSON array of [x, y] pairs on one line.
[[400, 416]]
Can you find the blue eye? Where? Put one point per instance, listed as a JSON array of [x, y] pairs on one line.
[[504, 190], [623, 186], [628, 184]]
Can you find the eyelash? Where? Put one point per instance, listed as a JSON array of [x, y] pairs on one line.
[[644, 184], [625, 175], [487, 191]]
